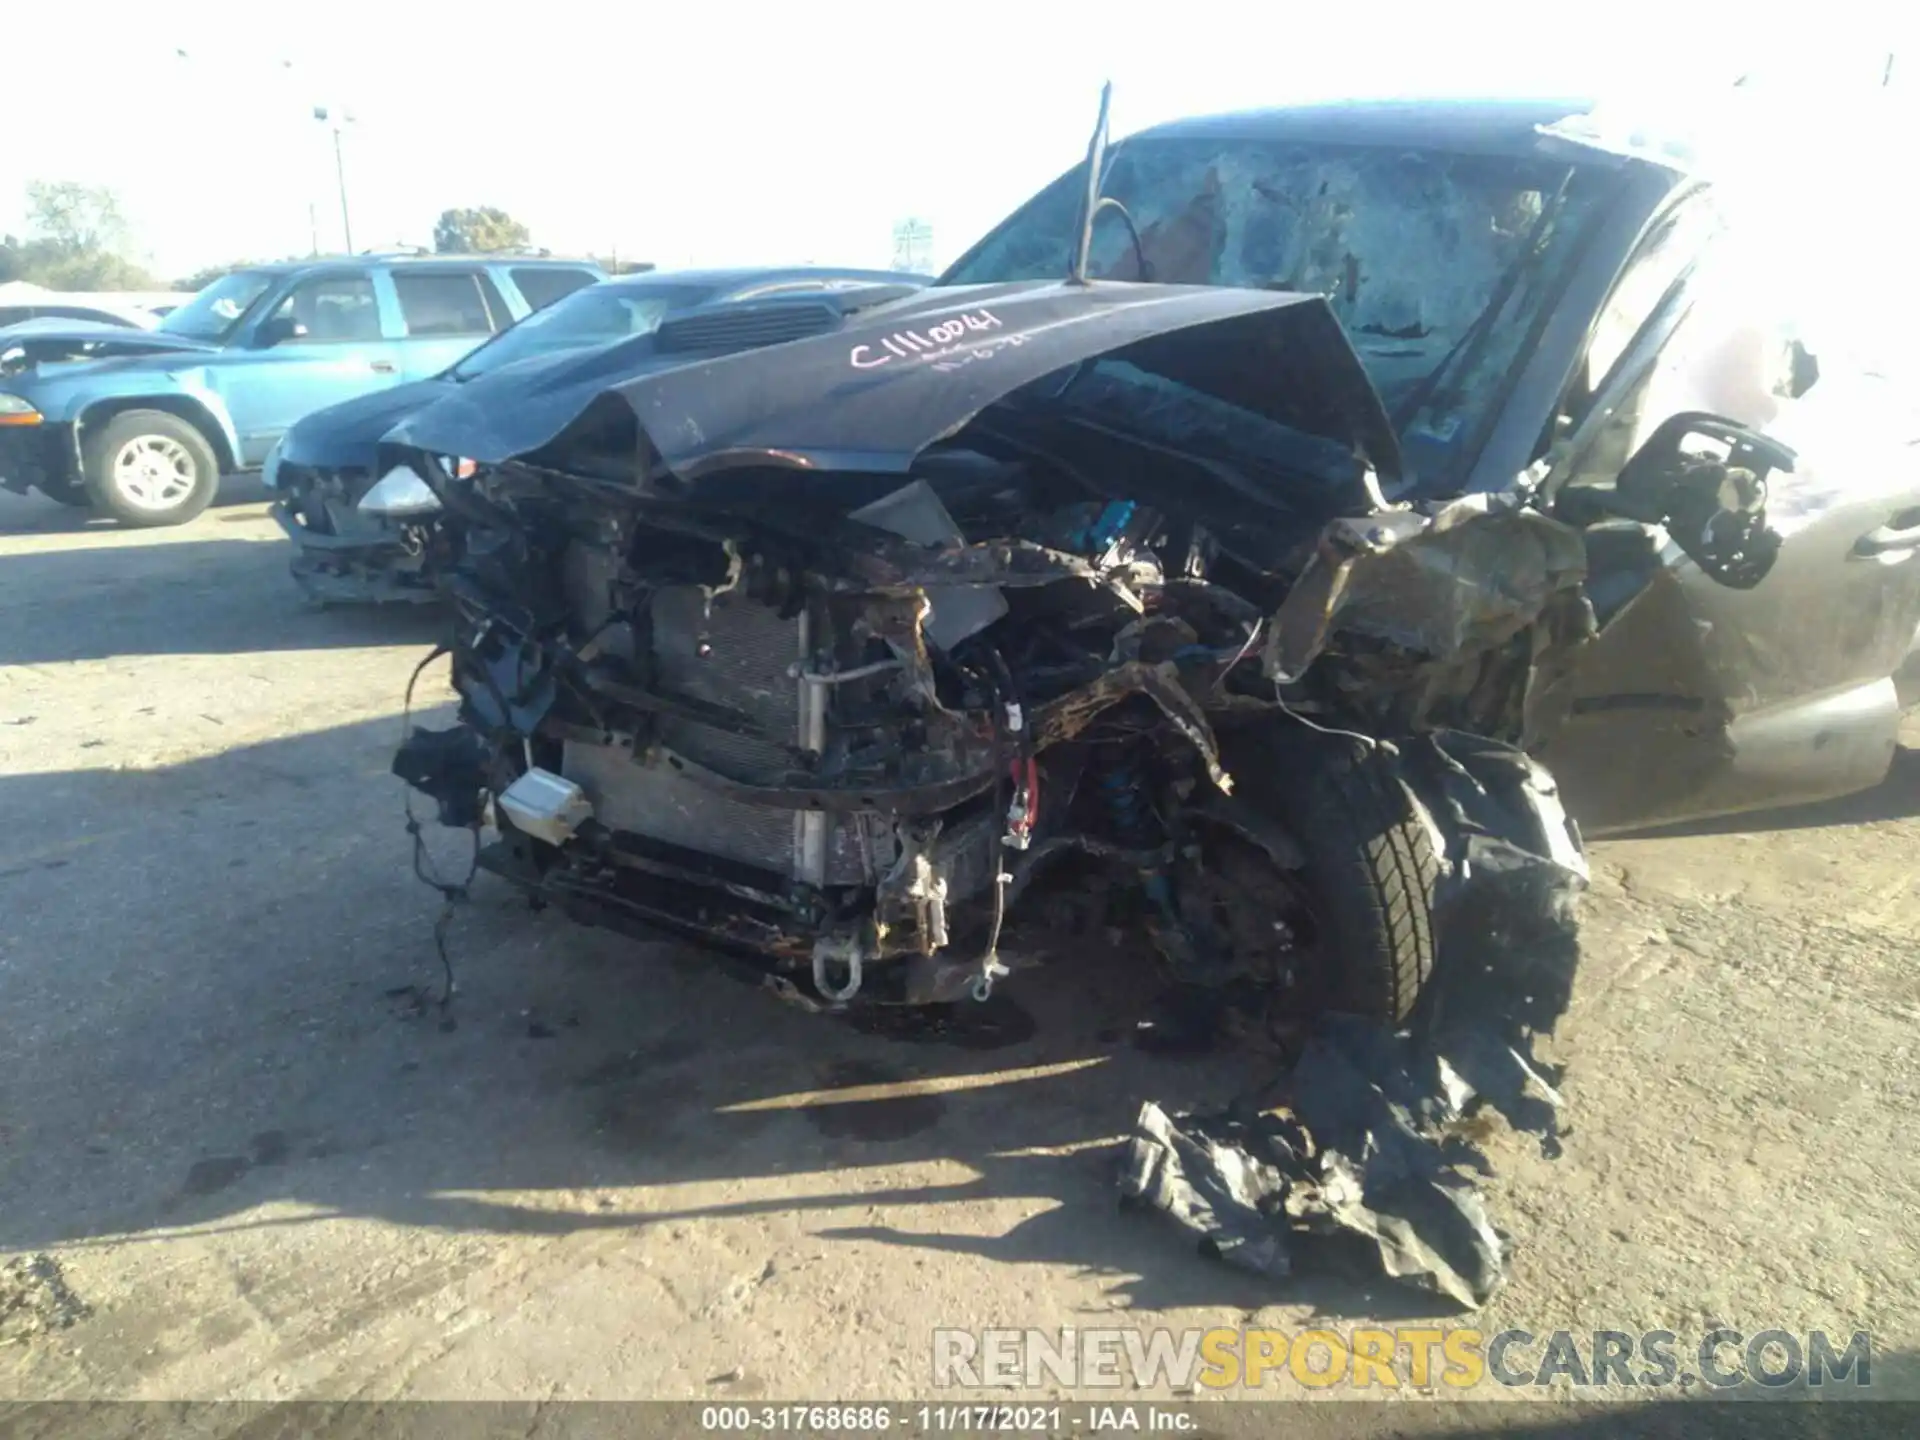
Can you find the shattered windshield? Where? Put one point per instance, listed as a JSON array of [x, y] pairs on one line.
[[214, 311], [1409, 246], [596, 315]]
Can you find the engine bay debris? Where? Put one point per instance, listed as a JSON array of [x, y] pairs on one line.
[[832, 661]]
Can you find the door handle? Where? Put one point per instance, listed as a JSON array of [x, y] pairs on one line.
[[380, 367], [1901, 532]]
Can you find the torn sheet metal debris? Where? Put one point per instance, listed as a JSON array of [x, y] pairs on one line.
[[1376, 1132], [1368, 1143]]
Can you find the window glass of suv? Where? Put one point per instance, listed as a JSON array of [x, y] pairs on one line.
[[594, 315], [216, 310], [335, 309], [542, 285], [442, 302]]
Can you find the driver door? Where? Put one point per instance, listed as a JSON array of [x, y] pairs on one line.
[[336, 348], [1698, 699]]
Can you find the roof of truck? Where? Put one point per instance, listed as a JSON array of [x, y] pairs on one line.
[[1491, 126]]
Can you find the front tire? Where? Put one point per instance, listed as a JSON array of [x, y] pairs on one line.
[[149, 468], [1371, 873]]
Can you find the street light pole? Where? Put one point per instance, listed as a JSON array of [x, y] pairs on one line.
[[321, 114]]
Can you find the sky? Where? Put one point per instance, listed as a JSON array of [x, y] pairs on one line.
[[726, 133]]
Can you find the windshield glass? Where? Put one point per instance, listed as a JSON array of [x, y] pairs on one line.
[[213, 312], [597, 315], [1410, 247]]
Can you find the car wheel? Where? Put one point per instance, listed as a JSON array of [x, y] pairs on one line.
[[1371, 872], [149, 468]]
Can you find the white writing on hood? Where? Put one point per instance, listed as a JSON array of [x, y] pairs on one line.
[[919, 344]]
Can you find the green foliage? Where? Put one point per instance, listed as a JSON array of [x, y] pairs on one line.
[[478, 232], [78, 241]]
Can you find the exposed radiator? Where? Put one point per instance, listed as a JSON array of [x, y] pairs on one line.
[[653, 801], [749, 651]]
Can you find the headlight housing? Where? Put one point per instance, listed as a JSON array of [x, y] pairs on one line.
[[399, 495], [15, 411]]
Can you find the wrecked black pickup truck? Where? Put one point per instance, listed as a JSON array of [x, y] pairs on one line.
[[1369, 461]]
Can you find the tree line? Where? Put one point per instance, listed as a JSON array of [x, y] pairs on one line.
[[79, 239]]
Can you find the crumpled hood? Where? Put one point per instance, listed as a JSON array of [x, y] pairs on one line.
[[47, 341], [348, 434], [874, 392]]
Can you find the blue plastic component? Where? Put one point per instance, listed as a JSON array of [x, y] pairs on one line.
[[1112, 524]]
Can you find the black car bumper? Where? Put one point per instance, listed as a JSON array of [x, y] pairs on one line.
[[344, 556], [36, 457]]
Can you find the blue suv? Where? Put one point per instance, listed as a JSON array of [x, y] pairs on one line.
[[141, 425]]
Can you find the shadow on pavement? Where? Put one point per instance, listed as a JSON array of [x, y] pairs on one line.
[[204, 589], [224, 998], [35, 514], [220, 976]]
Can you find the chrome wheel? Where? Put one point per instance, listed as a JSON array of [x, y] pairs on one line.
[[154, 472]]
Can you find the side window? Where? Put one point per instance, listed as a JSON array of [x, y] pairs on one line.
[[1661, 260], [1637, 298], [14, 314], [1740, 351], [1736, 352], [441, 303], [543, 285], [335, 309]]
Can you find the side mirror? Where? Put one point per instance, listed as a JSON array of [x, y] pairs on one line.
[[278, 330], [1705, 479]]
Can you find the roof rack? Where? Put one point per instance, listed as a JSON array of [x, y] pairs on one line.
[[416, 252]]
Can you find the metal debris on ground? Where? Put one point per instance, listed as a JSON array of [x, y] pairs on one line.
[[1375, 1132]]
